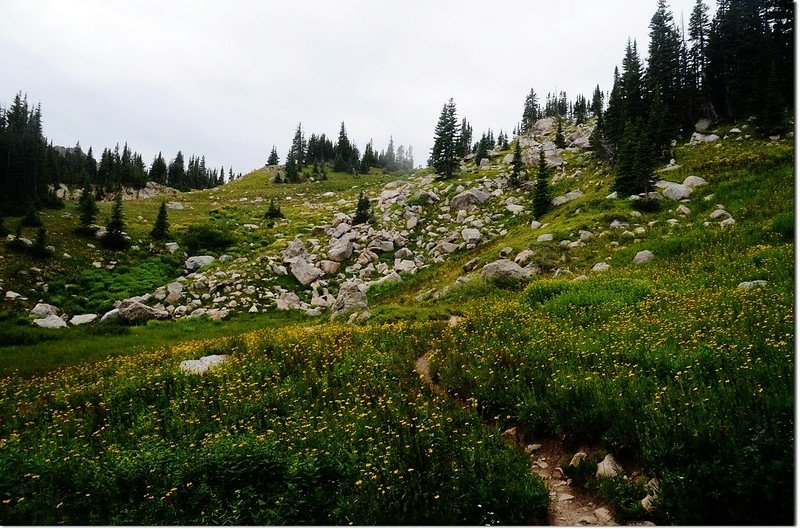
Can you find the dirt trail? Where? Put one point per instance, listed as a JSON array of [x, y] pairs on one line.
[[570, 506]]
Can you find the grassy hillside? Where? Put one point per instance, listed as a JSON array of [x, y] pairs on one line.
[[669, 365]]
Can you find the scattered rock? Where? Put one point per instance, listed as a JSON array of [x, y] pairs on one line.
[[82, 319], [42, 310], [201, 366], [749, 285], [340, 250], [470, 265], [350, 297], [511, 435], [305, 272], [608, 467], [10, 294], [694, 181], [197, 262], [524, 257], [577, 458], [505, 270], [135, 311], [643, 257], [601, 267], [545, 237], [682, 210], [471, 235], [50, 322], [677, 191], [469, 198]]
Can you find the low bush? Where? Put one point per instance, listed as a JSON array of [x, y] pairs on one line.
[[206, 237]]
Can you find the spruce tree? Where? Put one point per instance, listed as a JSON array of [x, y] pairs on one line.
[[516, 165], [531, 111], [39, 248], [161, 226], [444, 154], [273, 157], [87, 205], [541, 193], [292, 170], [362, 209], [115, 227], [273, 211], [158, 170], [559, 139]]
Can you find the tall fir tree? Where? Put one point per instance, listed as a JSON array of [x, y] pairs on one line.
[[161, 226], [444, 154], [115, 227], [273, 157], [363, 207], [86, 205], [158, 170], [541, 192], [516, 166], [559, 139], [531, 111]]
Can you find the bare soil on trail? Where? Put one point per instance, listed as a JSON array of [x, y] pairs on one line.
[[569, 506]]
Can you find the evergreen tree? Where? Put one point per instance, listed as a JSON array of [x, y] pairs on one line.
[[298, 149], [161, 226], [444, 154], [559, 139], [541, 193], [343, 153], [39, 248], [362, 214], [482, 150], [158, 170], [516, 165], [663, 64], [115, 227], [597, 101], [530, 112], [273, 211], [464, 138], [273, 157], [176, 174], [292, 170], [87, 205]]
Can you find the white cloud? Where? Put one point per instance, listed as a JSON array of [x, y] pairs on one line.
[[228, 80]]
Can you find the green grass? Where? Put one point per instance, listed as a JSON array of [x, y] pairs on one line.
[[666, 364]]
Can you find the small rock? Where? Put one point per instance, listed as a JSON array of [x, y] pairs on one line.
[[601, 267], [545, 237], [727, 222], [643, 257], [82, 319], [50, 322], [749, 285], [608, 467], [577, 458], [41, 310], [603, 516], [470, 265], [201, 366]]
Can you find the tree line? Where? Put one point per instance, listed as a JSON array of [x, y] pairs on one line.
[[737, 66], [310, 158], [31, 168]]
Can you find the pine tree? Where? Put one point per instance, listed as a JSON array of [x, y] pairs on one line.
[[362, 209], [87, 205], [158, 170], [444, 154], [541, 193], [273, 157], [516, 165], [298, 149], [663, 64], [273, 211], [161, 226], [176, 174], [115, 227], [343, 153], [559, 139], [39, 248], [292, 169], [531, 111]]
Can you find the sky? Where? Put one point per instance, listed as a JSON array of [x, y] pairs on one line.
[[230, 79]]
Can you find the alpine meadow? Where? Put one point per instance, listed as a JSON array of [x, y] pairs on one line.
[[584, 317]]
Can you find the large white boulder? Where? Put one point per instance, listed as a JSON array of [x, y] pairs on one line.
[[201, 366], [469, 198], [340, 250], [50, 322], [82, 319], [644, 256], [197, 262], [304, 271], [351, 297], [134, 312], [42, 310], [504, 269]]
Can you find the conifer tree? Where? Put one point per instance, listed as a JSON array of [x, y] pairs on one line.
[[559, 139], [343, 153], [362, 209], [531, 111], [444, 154], [87, 205], [115, 227], [541, 193], [273, 211], [158, 170], [161, 225], [273, 157], [516, 165], [39, 248], [292, 170]]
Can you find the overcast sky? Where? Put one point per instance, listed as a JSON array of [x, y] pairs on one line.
[[230, 79]]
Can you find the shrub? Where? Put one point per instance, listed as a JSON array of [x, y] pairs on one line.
[[541, 291], [206, 237], [31, 219], [783, 225]]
